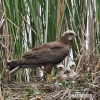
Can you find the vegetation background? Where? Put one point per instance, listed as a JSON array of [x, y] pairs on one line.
[[27, 23]]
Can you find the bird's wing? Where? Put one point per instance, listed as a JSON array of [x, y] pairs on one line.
[[47, 53]]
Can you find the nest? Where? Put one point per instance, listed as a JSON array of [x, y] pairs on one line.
[[85, 87]]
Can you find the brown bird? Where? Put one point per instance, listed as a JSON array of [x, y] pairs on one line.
[[48, 55]]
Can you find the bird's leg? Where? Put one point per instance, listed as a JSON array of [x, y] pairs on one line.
[[48, 69], [50, 77]]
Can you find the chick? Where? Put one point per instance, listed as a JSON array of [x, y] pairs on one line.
[[60, 74], [69, 71], [66, 73]]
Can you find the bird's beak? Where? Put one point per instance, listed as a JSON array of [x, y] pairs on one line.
[[67, 72], [74, 34]]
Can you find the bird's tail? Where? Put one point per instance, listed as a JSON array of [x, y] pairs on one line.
[[13, 66]]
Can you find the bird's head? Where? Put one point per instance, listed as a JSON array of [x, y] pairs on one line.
[[70, 35], [72, 65]]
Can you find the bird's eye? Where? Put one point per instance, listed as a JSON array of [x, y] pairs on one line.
[[72, 67], [60, 68], [71, 34]]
